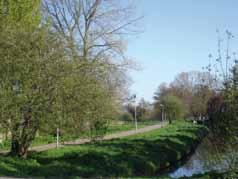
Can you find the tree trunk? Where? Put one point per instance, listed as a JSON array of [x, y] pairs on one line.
[[22, 136], [14, 147], [14, 140], [18, 149], [6, 134], [170, 121], [23, 151]]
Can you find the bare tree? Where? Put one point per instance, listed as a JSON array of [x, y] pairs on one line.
[[96, 31], [221, 65], [96, 28]]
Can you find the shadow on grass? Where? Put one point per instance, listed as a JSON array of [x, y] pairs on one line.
[[115, 158], [129, 158]]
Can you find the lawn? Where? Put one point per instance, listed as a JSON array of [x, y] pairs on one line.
[[141, 155], [113, 128]]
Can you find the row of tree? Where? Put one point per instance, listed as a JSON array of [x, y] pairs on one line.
[[187, 96], [143, 111], [211, 95], [63, 65]]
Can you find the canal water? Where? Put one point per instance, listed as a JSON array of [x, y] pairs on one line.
[[205, 159]]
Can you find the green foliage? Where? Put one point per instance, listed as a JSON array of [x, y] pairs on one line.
[[173, 106], [223, 114], [70, 136], [126, 117], [42, 89], [20, 13], [140, 155], [84, 104], [193, 88], [215, 175], [26, 57], [223, 106], [29, 62], [43, 86], [200, 100], [144, 111]]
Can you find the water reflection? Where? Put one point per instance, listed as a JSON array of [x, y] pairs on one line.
[[205, 159]]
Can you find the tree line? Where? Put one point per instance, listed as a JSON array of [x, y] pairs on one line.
[[187, 96], [63, 65], [210, 95]]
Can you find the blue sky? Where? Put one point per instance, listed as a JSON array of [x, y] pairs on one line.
[[178, 36]]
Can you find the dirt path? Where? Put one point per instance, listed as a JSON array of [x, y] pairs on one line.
[[107, 137]]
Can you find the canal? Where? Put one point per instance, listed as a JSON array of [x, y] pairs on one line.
[[206, 158]]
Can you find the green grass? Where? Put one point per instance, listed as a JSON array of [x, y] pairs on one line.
[[113, 128], [215, 175], [142, 155]]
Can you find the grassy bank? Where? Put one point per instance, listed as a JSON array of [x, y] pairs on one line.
[[215, 175], [113, 128], [140, 155]]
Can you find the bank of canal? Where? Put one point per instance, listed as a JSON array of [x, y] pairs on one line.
[[149, 155], [206, 159]]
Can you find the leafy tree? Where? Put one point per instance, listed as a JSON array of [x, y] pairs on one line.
[[41, 88], [46, 82], [144, 111], [28, 82], [126, 117], [131, 109], [20, 13], [215, 108], [192, 88], [19, 39], [83, 103], [200, 99], [173, 106]]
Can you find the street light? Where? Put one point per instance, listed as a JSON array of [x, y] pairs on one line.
[[162, 107], [134, 100], [57, 138]]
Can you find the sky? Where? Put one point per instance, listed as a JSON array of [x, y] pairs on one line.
[[178, 35]]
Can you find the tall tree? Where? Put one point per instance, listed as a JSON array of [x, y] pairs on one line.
[[46, 80], [173, 106], [28, 65], [193, 88], [96, 28], [96, 31], [18, 21], [200, 99]]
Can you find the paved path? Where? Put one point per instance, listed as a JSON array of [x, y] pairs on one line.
[[107, 137]]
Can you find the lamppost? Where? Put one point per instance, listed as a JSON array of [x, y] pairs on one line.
[[57, 138], [162, 107], [134, 100]]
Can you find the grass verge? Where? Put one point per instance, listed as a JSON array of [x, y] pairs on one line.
[[142, 155], [113, 128], [215, 175]]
